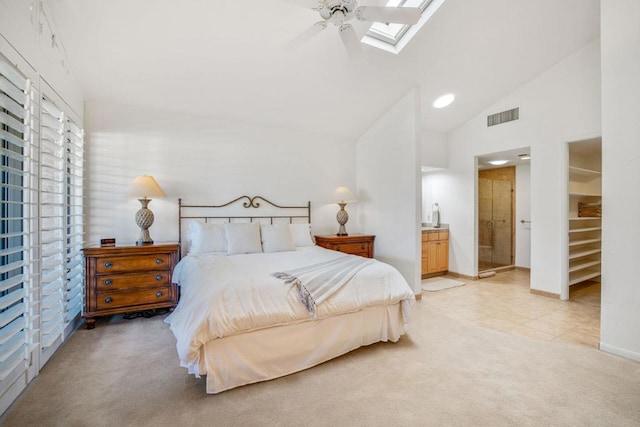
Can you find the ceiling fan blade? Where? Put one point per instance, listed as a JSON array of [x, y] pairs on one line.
[[396, 15], [309, 4], [351, 42], [305, 36]]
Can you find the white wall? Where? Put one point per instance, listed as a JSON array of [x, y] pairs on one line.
[[434, 186], [620, 326], [523, 212], [434, 159], [562, 104], [203, 160], [388, 176], [434, 149]]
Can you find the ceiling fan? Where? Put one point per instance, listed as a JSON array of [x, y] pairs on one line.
[[339, 12]]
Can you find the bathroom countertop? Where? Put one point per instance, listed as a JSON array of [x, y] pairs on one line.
[[428, 227]]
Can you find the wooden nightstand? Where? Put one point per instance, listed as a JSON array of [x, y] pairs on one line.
[[121, 279], [355, 244]]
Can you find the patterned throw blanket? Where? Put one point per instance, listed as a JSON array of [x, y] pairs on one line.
[[317, 282]]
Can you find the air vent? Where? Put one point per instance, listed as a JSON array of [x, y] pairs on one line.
[[505, 116]]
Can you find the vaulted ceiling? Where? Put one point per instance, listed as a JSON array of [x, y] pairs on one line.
[[225, 58]]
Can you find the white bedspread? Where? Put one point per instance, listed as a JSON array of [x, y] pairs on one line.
[[228, 295]]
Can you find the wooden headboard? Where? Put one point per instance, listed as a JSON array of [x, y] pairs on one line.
[[233, 211]]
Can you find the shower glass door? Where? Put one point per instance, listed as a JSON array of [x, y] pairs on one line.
[[495, 201]]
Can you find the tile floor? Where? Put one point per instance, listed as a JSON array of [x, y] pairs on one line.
[[504, 303]]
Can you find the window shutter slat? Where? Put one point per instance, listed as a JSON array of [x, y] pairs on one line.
[[74, 220], [16, 282], [11, 330], [11, 106], [7, 316]]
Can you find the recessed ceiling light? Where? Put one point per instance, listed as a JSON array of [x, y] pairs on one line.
[[498, 162], [444, 100]]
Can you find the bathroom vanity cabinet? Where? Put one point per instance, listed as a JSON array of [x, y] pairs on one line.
[[435, 252]]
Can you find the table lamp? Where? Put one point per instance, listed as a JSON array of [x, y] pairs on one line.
[[142, 188], [342, 195]]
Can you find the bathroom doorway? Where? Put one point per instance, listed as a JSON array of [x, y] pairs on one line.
[[496, 225]]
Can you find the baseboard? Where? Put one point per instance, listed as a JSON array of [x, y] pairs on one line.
[[620, 351], [523, 269], [461, 276], [502, 269], [544, 293]]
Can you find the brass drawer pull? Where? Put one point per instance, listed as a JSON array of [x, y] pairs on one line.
[[108, 300], [108, 264], [338, 248], [158, 277], [108, 282], [159, 294], [159, 261], [362, 247]]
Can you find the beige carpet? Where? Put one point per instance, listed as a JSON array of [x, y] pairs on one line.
[[439, 283], [443, 373]]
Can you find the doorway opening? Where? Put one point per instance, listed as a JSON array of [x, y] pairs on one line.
[[585, 221], [496, 205]]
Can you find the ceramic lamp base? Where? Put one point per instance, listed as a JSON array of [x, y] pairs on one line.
[[342, 217], [144, 220]]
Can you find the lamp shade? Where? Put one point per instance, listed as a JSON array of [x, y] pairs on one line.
[[343, 195], [145, 186]]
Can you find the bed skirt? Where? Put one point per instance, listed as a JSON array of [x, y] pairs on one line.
[[270, 353]]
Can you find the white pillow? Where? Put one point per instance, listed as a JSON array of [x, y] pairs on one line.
[[301, 234], [206, 237], [276, 238], [243, 238]]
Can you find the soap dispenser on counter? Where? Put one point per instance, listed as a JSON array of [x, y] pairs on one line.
[[435, 215]]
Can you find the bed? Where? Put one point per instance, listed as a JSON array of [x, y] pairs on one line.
[[238, 322]]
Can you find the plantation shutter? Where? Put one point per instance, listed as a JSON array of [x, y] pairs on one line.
[[18, 231], [52, 227], [74, 225]]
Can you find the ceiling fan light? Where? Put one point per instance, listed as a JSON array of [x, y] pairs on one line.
[[444, 100]]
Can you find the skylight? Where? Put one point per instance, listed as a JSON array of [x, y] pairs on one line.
[[393, 37]]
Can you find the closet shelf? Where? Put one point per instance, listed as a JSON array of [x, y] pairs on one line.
[[584, 242], [586, 276], [583, 230], [583, 266], [580, 254], [583, 171], [575, 194], [585, 218]]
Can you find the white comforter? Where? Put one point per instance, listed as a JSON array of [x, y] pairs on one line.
[[227, 295]]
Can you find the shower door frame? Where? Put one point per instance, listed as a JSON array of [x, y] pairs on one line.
[[512, 174]]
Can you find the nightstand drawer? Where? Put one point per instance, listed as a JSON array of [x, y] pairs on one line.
[[355, 244], [351, 248], [119, 264], [112, 300], [110, 282]]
